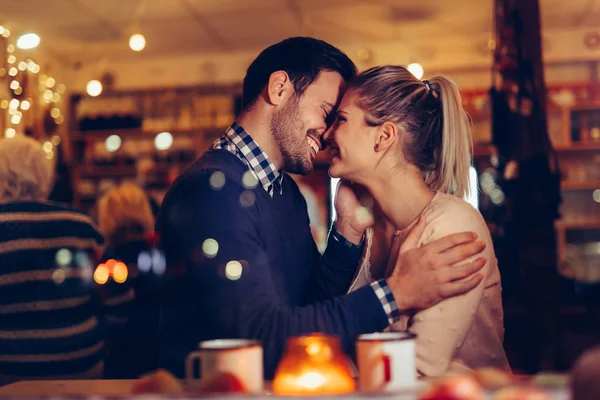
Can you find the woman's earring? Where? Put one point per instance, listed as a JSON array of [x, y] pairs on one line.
[[376, 146]]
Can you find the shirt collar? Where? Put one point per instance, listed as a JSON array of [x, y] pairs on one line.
[[250, 152]]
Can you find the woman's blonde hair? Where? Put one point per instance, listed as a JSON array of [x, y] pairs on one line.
[[437, 129], [124, 211], [25, 171]]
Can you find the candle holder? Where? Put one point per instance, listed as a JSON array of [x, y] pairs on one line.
[[313, 364]]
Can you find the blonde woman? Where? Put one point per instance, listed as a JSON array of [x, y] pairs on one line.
[[408, 142], [125, 215], [125, 218]]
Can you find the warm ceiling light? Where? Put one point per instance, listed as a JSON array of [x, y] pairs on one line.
[[137, 42], [416, 69], [93, 88], [28, 41]]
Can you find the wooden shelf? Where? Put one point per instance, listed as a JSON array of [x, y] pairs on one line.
[[585, 185], [100, 171], [578, 224], [139, 133], [578, 146]]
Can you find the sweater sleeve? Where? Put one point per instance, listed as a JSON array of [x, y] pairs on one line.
[[442, 329], [235, 286]]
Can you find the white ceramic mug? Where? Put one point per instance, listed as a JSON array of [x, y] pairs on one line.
[[240, 357], [386, 361]]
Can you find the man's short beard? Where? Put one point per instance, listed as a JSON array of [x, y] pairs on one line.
[[289, 133]]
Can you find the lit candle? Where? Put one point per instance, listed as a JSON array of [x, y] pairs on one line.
[[313, 364]]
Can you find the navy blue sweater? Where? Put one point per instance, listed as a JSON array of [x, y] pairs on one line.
[[285, 288]]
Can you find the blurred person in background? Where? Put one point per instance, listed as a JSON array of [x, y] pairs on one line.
[[126, 220], [52, 316]]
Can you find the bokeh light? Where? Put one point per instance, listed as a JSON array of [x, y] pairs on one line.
[[233, 270], [159, 264], [94, 88], [59, 275], [416, 69], [113, 143], [120, 272], [28, 41], [101, 274], [64, 257], [144, 261], [82, 260], [364, 216], [210, 248], [163, 141], [137, 42], [217, 180], [247, 198], [249, 180]]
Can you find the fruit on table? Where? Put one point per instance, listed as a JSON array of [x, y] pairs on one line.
[[521, 393], [160, 381], [492, 378], [454, 388], [222, 383]]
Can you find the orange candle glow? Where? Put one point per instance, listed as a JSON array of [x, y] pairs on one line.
[[313, 364]]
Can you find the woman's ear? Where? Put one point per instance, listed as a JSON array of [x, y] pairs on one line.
[[386, 136], [279, 88]]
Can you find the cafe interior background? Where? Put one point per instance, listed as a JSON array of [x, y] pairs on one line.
[[134, 90]]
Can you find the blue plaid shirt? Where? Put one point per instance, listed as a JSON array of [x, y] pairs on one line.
[[237, 141]]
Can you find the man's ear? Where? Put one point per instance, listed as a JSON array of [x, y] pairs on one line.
[[279, 88]]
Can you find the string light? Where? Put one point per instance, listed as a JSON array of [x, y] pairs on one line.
[[47, 95], [28, 41]]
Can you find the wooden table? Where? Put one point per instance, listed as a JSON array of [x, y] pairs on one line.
[[66, 388], [99, 389]]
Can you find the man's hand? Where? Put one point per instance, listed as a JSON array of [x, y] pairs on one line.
[[423, 276], [353, 215]]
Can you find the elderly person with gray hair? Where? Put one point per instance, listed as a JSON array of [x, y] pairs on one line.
[[51, 327]]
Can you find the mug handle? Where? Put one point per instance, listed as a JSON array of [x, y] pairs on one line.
[[189, 365], [387, 368]]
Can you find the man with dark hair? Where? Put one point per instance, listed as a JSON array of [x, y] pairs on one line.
[[240, 226]]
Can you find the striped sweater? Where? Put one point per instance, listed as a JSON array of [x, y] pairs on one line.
[[53, 316]]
